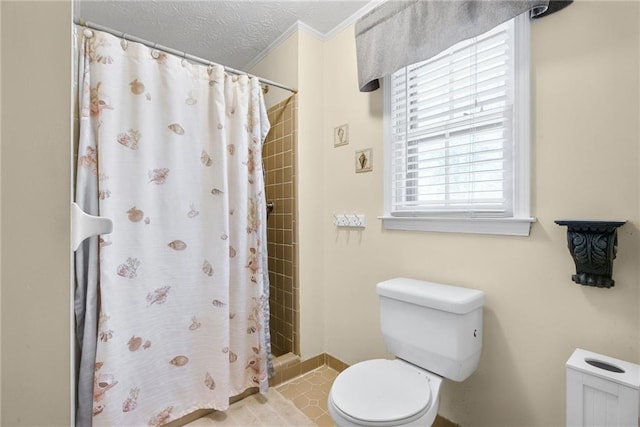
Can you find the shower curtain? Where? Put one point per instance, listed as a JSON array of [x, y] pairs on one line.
[[172, 307]]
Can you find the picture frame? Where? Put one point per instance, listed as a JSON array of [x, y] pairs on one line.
[[364, 160], [341, 135]]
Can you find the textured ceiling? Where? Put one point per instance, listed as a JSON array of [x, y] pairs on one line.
[[231, 33]]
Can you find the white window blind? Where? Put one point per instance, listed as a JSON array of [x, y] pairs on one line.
[[451, 123]]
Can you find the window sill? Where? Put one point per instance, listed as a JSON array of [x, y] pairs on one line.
[[500, 226]]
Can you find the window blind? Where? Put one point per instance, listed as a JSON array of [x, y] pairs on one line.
[[451, 127]]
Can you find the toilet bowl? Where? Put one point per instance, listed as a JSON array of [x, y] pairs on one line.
[[435, 332], [384, 392]]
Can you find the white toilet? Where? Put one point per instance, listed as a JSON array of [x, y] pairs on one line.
[[435, 331]]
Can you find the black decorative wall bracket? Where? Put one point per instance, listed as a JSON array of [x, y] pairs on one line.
[[593, 246]]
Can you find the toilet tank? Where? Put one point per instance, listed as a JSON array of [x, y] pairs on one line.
[[437, 327]]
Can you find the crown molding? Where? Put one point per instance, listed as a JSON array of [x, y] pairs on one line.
[[310, 30], [301, 26], [297, 26], [352, 19]]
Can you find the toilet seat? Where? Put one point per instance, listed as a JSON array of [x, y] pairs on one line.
[[382, 392]]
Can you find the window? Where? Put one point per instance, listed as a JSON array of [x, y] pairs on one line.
[[457, 137]]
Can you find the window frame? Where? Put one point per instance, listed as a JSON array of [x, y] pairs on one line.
[[519, 224]]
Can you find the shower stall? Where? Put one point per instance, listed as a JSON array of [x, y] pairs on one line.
[[279, 158], [112, 135]]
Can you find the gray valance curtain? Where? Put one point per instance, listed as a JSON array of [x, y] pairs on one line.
[[399, 33]]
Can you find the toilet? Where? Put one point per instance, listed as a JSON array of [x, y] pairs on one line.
[[435, 332]]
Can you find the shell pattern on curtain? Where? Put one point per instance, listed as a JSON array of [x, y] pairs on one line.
[[171, 151]]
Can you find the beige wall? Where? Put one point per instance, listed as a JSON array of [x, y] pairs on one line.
[[585, 165], [281, 65], [36, 79], [586, 63], [302, 54], [0, 218], [586, 157], [310, 201]]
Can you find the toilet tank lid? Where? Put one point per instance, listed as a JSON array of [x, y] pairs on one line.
[[452, 299]]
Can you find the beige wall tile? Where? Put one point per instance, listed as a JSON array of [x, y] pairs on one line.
[[282, 254]]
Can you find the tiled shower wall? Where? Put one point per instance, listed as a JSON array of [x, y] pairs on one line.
[[278, 154]]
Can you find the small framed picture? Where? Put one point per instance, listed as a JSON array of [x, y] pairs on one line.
[[364, 160], [341, 135]]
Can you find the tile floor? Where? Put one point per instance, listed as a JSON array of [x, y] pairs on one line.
[[309, 393], [257, 410], [301, 401]]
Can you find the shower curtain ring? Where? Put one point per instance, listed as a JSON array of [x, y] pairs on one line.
[[184, 59], [87, 31], [124, 43], [154, 52]]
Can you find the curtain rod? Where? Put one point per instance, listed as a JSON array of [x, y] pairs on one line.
[[120, 34]]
